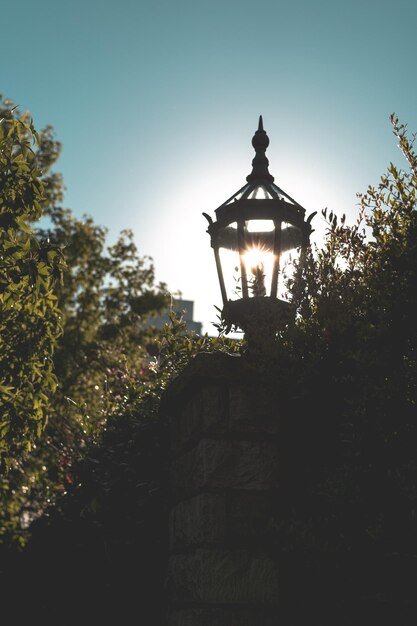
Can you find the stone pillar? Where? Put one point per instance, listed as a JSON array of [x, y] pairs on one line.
[[224, 478]]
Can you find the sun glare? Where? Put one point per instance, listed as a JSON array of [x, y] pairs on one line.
[[259, 266]]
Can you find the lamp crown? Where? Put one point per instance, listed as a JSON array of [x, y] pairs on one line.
[[260, 163]]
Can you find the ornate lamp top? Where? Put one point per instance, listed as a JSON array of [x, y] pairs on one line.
[[260, 183], [260, 142]]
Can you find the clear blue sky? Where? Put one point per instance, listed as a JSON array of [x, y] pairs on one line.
[[156, 102]]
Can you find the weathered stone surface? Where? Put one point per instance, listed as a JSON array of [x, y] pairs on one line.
[[255, 617], [224, 420], [200, 520], [200, 617], [253, 408], [211, 403], [249, 515], [224, 617], [217, 408], [238, 518], [205, 412], [184, 427], [223, 577], [223, 464]]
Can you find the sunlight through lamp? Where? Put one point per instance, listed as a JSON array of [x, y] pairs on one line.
[[258, 238]]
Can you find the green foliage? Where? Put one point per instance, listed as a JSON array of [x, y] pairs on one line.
[[102, 360], [105, 296], [347, 509], [357, 296], [347, 362], [30, 270], [109, 528], [349, 365]]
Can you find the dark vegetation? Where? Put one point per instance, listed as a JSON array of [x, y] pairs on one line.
[[84, 453], [84, 476]]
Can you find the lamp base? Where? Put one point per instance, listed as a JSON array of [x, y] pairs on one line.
[[259, 318]]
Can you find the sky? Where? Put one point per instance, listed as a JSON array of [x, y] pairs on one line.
[[155, 103]]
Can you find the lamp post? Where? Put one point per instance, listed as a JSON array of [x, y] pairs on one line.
[[257, 237]]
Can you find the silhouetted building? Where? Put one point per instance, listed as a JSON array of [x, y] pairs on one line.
[[180, 307]]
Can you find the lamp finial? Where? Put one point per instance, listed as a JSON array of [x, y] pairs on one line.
[[260, 142]]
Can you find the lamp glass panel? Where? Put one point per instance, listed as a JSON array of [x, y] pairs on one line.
[[290, 255], [255, 226], [230, 261], [259, 193], [258, 256]]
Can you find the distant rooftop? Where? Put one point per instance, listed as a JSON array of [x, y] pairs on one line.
[[180, 307]]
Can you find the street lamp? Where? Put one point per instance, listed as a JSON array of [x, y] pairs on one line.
[[259, 234]]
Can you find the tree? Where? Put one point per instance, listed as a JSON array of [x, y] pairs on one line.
[[345, 529], [349, 363], [107, 536], [30, 270], [345, 532], [100, 306]]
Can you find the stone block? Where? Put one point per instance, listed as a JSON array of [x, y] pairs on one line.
[[256, 617], [197, 521], [249, 516], [223, 577], [224, 617], [184, 427], [211, 403], [253, 408], [205, 412], [223, 464], [200, 617]]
